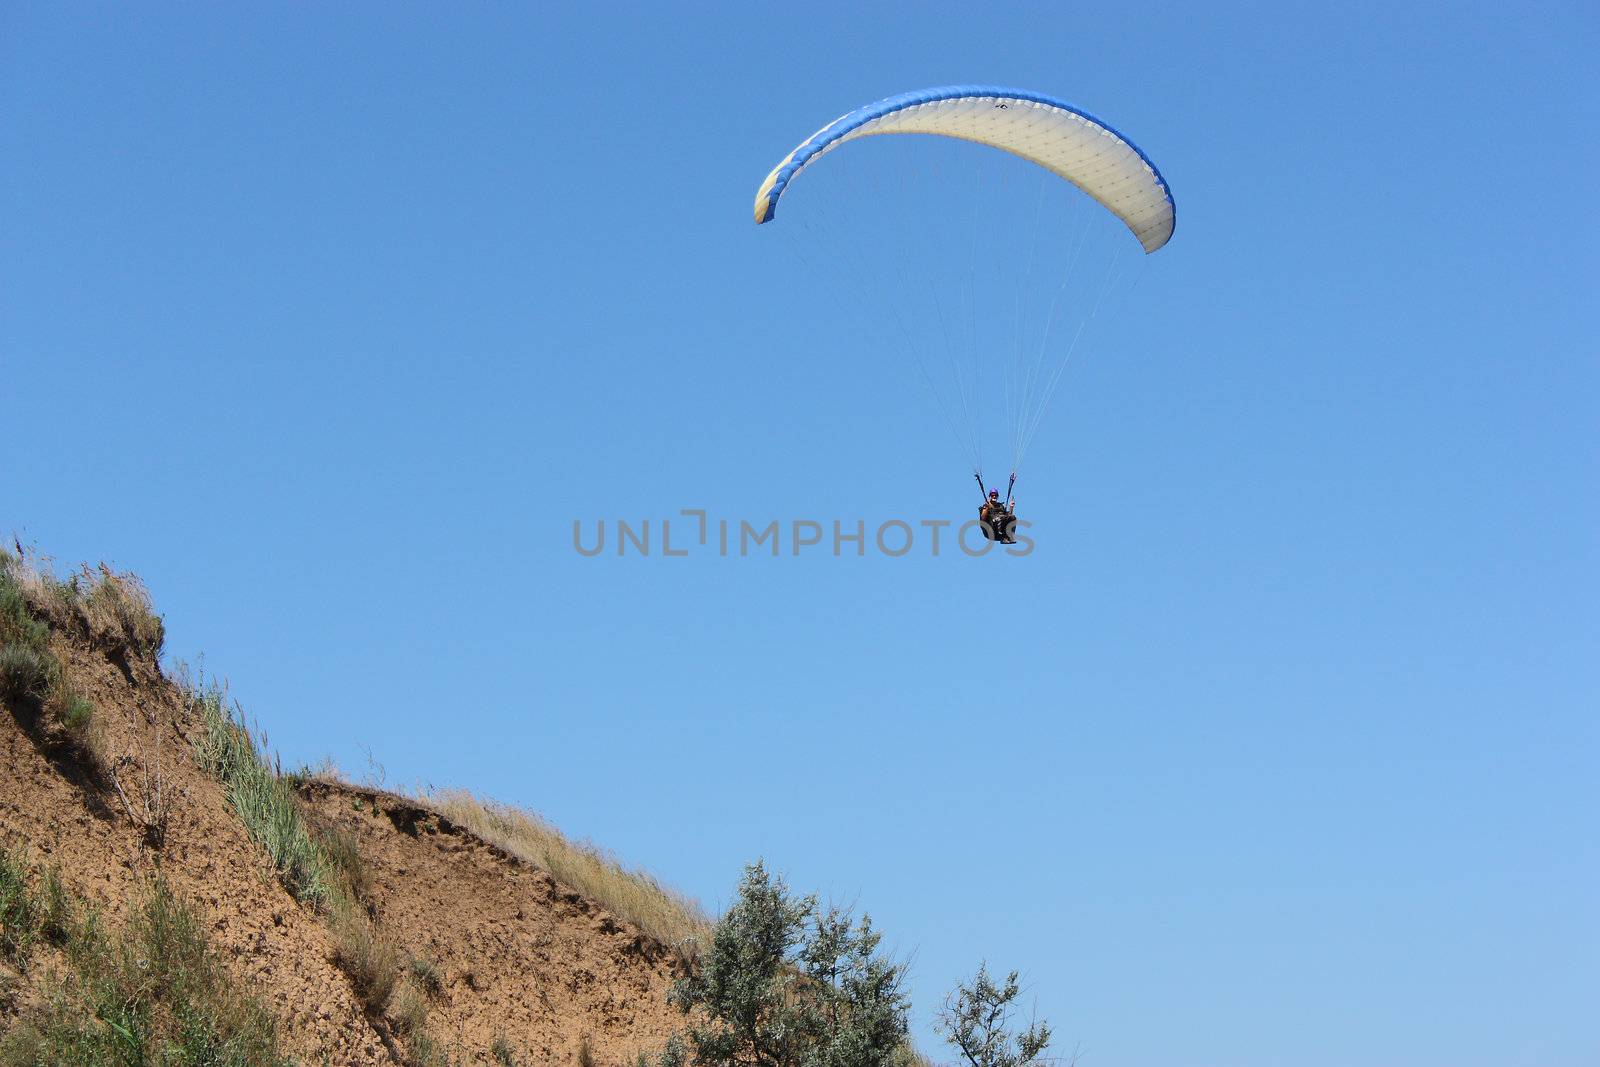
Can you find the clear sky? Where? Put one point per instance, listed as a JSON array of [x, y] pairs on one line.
[[328, 320]]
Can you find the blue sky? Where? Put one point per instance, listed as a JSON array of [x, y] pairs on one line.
[[329, 322]]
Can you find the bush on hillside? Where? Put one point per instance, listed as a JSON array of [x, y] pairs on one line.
[[786, 982], [976, 1019]]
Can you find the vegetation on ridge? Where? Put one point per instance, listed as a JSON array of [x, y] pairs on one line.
[[109, 607], [33, 680], [665, 915]]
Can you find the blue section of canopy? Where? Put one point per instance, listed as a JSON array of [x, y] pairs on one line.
[[863, 115]]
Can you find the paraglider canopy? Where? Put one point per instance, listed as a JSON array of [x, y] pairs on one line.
[[1041, 129]]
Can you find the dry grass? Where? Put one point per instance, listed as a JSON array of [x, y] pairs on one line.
[[411, 1012], [118, 606], [907, 1056], [111, 607], [661, 913], [410, 1015], [370, 959], [343, 849], [665, 915]]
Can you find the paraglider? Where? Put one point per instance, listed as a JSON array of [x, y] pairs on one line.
[[1083, 152], [997, 518]]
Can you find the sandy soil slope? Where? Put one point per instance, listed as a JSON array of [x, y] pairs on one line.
[[519, 956]]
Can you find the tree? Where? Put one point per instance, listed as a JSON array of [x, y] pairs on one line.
[[976, 1019], [787, 983]]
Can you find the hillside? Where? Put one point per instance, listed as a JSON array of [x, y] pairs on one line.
[[352, 925]]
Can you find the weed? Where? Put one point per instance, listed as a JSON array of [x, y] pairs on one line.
[[410, 1012], [343, 849], [371, 960], [57, 914], [426, 974], [19, 920]]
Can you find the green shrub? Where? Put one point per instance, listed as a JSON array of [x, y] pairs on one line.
[[17, 624], [976, 1019], [77, 715], [26, 673], [785, 983]]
